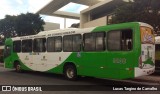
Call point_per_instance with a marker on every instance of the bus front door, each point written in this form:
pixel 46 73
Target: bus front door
pixel 7 57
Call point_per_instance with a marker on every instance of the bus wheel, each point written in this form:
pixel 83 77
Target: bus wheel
pixel 18 67
pixel 70 72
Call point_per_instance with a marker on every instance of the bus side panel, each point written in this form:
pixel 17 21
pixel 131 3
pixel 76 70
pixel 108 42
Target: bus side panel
pixel 91 64
pixel 87 64
pixel 8 63
pixel 123 65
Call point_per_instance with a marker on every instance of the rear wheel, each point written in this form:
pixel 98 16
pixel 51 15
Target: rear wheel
pixel 70 72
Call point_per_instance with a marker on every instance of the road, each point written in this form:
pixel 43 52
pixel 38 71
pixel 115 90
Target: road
pixel 10 77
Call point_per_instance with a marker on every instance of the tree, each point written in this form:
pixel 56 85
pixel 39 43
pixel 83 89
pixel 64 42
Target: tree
pixel 7 26
pixel 29 24
pixel 75 25
pixel 21 25
pixel 147 11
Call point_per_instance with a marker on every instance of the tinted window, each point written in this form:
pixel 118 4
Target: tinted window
pixel 39 45
pixel 94 41
pixel 89 42
pixel 50 44
pixel 27 45
pixel 77 43
pixel 17 46
pixel 114 40
pixel 54 44
pixel 120 40
pixel 58 44
pixel 72 43
pixel 67 43
pixel 100 44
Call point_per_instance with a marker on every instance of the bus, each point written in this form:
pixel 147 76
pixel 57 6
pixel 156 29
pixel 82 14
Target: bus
pixel 157 52
pixel 118 51
pixel 1 53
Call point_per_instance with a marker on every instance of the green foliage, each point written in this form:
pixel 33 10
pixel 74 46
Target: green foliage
pixel 147 11
pixel 21 25
pixel 75 25
pixel 7 26
pixel 29 24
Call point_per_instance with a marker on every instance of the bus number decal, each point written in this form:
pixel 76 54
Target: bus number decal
pixel 119 60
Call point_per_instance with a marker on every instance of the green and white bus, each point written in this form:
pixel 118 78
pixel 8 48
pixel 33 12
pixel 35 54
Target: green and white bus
pixel 118 51
pixel 157 52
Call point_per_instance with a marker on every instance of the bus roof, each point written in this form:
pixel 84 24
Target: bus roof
pixel 75 30
pixel 57 30
pixel 145 24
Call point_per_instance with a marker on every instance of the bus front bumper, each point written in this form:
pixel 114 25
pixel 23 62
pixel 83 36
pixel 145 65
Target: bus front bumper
pixel 141 72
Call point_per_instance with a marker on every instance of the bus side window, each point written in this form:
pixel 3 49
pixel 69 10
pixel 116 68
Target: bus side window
pixel 120 40
pixel 67 43
pixel 100 41
pixel 129 45
pixel 94 41
pixel 44 45
pixel 113 41
pixel 58 44
pixel 54 44
pixel 39 45
pixel 27 45
pixel 89 41
pixel 77 43
pixel 50 44
pixel 17 46
pixel 127 37
pixel 72 43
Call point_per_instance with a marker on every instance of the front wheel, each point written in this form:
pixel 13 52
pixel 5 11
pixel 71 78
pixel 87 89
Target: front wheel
pixel 70 72
pixel 18 67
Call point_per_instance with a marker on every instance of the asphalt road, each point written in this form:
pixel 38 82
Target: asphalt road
pixel 10 77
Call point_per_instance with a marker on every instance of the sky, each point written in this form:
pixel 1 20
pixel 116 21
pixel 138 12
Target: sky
pixel 16 7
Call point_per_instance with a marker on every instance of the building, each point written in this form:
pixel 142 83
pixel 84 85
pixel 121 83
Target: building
pixel 99 13
pixel 53 7
pixel 51 26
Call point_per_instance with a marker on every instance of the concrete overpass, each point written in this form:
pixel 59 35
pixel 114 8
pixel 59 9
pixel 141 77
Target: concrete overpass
pixel 54 5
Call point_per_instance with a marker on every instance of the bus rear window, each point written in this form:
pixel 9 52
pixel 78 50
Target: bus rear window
pixel 147 35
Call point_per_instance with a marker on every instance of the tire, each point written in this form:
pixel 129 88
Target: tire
pixel 18 67
pixel 70 72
